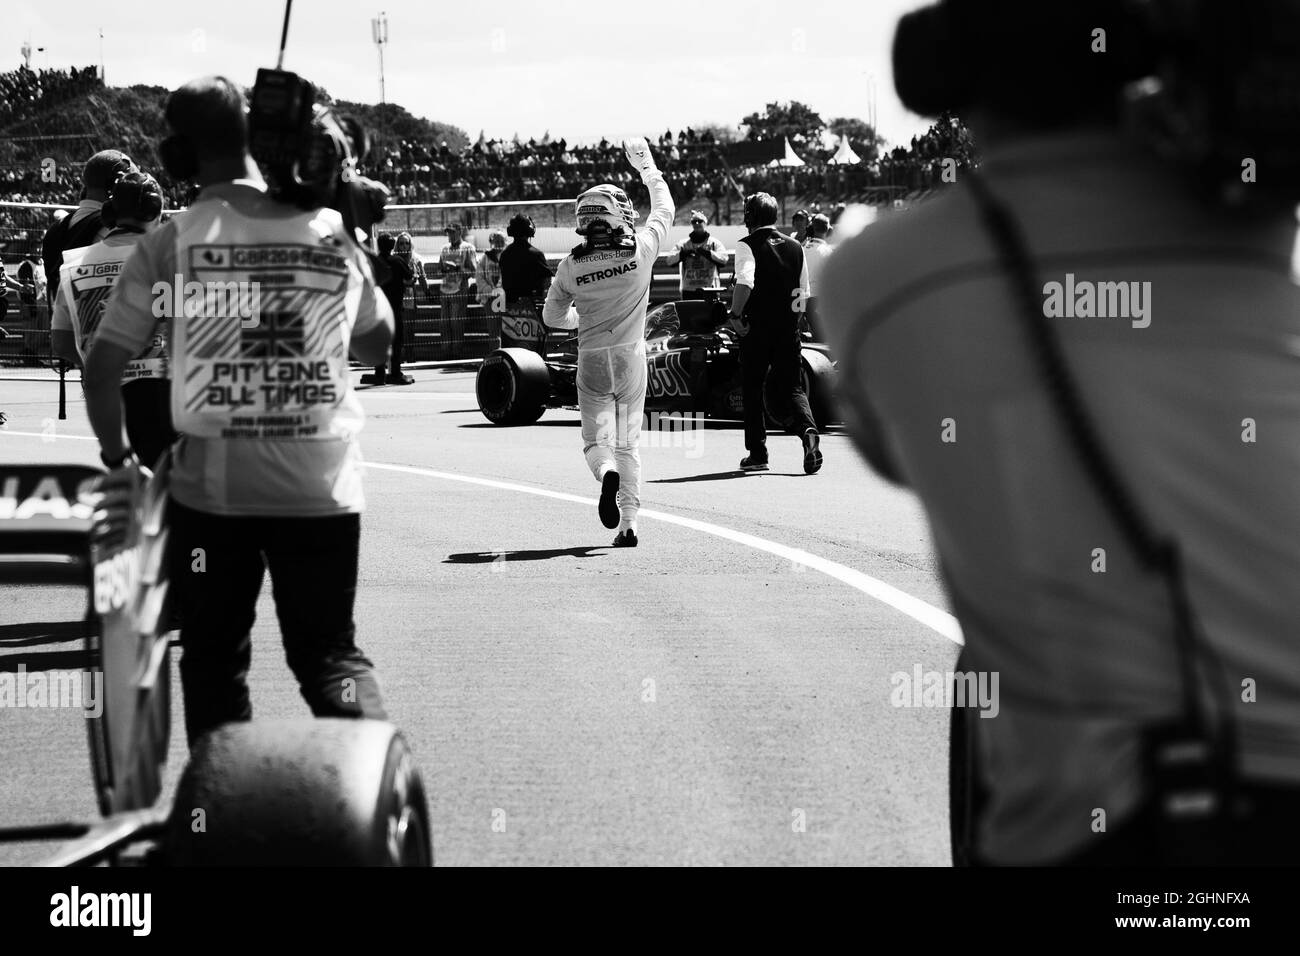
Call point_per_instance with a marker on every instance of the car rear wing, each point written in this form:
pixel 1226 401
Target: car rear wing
pixel 73 525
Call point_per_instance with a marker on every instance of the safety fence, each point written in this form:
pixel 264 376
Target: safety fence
pixel 437 326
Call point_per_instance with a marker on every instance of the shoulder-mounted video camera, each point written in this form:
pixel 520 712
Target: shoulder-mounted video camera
pixel 309 154
pixel 1212 85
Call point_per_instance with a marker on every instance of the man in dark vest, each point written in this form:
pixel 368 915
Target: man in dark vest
pixel 85 226
pixel 769 298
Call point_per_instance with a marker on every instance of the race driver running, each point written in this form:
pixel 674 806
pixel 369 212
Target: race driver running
pixel 602 288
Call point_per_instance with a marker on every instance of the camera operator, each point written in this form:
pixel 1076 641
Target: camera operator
pixel 267 472
pixel 699 255
pixel 1052 446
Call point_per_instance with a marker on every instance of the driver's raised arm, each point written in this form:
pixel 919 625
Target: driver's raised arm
pixel 662 209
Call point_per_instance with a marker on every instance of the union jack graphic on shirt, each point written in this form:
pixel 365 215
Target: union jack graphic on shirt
pixel 277 335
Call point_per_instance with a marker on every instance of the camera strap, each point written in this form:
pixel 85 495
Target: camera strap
pixel 1190 762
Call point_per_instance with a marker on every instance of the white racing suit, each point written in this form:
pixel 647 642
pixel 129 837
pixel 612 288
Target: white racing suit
pixel 610 289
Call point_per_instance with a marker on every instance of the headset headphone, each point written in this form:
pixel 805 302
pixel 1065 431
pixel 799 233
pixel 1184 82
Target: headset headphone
pixel 521 227
pixel 134 196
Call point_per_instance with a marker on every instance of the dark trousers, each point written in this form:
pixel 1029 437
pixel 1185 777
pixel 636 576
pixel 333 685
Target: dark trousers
pixel 399 334
pixel 313 564
pixel 778 355
pixel 146 405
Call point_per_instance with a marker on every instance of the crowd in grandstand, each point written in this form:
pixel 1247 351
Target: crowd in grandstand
pixel 25 92
pixel 694 166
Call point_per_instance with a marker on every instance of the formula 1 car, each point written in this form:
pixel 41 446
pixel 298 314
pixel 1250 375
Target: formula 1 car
pixel 693 367
pixel 295 792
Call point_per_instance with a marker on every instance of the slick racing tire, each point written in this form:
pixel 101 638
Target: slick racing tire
pixel 310 792
pixel 512 386
pixel 819 384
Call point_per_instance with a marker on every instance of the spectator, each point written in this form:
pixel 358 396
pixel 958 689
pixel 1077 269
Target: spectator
pixel 401 272
pixel 800 223
pixel 487 278
pixel 816 250
pixel 458 261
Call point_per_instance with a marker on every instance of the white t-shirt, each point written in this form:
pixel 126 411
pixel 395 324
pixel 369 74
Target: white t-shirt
pixel 86 279
pixel 815 254
pixel 283 377
pixel 922 320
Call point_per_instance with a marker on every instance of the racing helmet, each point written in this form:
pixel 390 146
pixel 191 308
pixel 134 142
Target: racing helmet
pixel 607 204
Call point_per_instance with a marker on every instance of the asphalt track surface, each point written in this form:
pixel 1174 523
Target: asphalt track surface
pixel 719 695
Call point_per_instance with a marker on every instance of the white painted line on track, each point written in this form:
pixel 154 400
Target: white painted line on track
pixel 57 436
pixel 937 620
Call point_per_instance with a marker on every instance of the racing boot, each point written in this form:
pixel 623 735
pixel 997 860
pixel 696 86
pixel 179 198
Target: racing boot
pixel 609 499
pixel 812 453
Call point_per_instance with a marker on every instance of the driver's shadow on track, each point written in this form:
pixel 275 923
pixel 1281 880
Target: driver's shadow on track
pixel 723 476
pixel 488 557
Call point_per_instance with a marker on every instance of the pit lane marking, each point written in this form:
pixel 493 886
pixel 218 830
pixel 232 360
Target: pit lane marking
pixel 937 620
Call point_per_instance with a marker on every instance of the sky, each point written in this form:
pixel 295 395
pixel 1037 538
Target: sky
pixel 574 68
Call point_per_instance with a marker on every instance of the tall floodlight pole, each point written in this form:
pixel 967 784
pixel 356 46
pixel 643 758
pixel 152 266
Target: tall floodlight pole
pixel 379 31
pixel 101 57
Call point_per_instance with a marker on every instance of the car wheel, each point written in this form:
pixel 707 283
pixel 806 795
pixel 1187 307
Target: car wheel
pixel 512 386
pixel 311 792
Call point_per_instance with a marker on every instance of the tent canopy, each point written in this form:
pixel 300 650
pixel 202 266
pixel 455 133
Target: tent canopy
pixel 789 159
pixel 844 156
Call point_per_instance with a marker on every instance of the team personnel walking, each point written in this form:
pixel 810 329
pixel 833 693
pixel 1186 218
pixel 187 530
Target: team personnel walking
pixel 608 278
pixel 766 307
pixel 699 254
pixel 267 472
pixel 86 279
